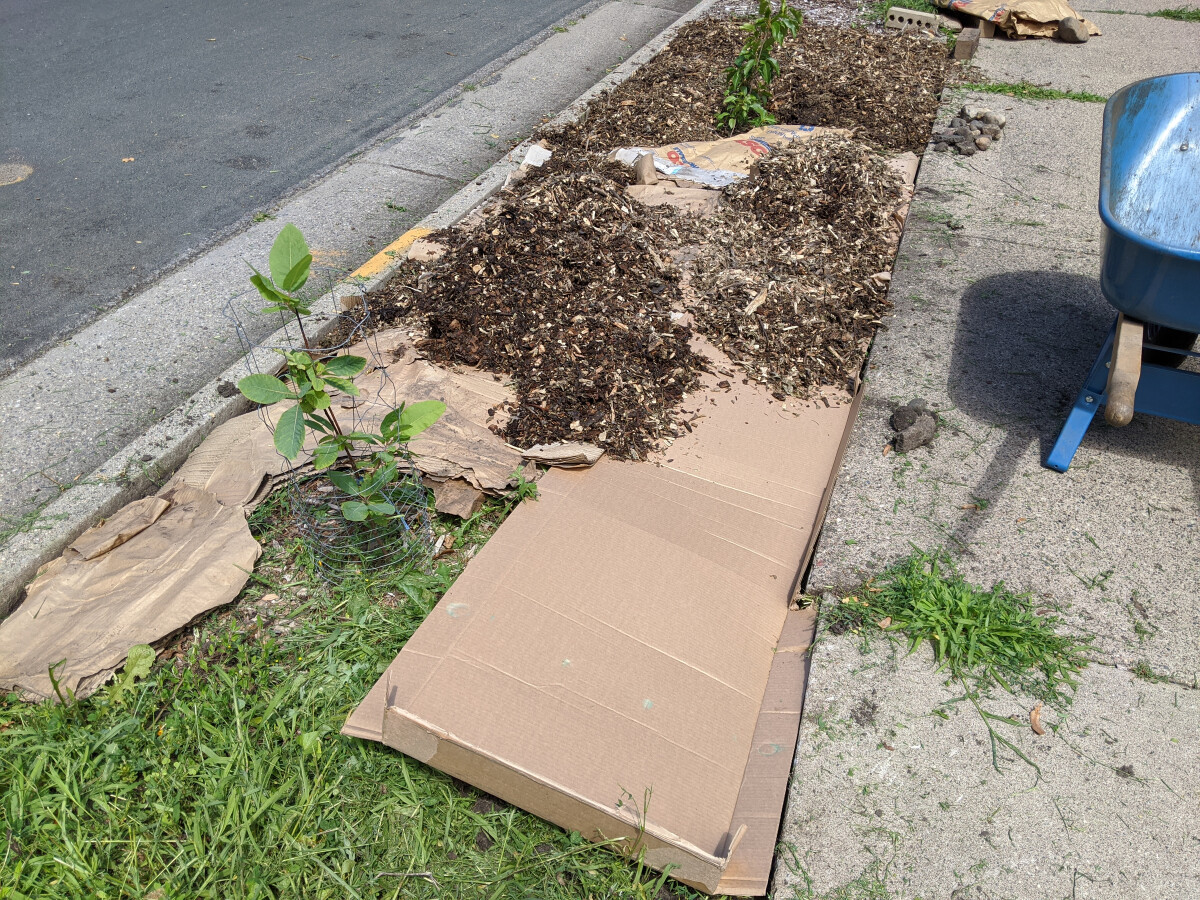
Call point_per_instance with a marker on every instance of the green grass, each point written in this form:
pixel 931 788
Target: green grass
pixel 1142 670
pixel 991 636
pixel 980 638
pixel 222 774
pixel 1023 90
pixel 1178 13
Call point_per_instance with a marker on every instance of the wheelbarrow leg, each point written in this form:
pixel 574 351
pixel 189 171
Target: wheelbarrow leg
pixel 1125 372
pixel 1090 399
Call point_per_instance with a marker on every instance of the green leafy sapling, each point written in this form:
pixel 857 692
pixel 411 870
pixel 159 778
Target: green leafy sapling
pixel 308 380
pixel 748 81
pixel 367 486
pixel 290 262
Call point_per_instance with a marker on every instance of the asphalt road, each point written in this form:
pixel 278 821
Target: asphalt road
pixel 154 127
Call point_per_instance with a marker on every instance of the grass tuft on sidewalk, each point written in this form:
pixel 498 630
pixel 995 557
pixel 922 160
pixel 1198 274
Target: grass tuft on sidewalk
pixel 1178 13
pixel 991 636
pixel 222 774
pixel 1023 90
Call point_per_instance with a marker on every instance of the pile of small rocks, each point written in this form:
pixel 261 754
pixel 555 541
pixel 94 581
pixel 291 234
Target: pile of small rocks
pixel 974 129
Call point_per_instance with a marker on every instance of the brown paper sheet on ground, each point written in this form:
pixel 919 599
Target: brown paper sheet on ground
pixel 1021 18
pixel 238 462
pixel 149 570
pixel 631 632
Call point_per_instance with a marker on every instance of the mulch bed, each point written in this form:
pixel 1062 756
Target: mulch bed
pixel 567 287
pixel 578 292
pixel 887 86
pixel 791 283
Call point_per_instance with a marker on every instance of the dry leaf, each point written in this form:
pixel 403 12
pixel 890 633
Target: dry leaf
pixel 885 622
pixel 1035 719
pixel 887 448
pixel 127 159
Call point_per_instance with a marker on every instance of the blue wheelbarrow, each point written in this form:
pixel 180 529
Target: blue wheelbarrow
pixel 1150 271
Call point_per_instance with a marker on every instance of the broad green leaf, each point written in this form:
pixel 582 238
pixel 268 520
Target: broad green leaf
pixel 319 423
pixel 289 432
pixel 345 366
pixel 139 660
pixel 324 456
pixel 345 385
pixel 382 508
pixel 288 250
pixel 354 511
pixel 344 482
pixel 383 477
pixel 268 291
pixel 298 275
pixel 137 665
pixel 265 389
pixel 416 417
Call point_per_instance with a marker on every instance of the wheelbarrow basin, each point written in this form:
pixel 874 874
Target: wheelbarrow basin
pixel 1150 200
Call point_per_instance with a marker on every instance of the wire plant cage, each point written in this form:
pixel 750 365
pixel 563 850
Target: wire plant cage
pixel 342 548
pixel 339 547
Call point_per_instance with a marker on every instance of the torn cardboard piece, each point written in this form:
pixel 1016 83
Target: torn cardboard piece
pixel 146 572
pixel 567 454
pixel 1021 18
pixel 697 201
pixel 716 164
pixel 455 497
pixel 237 463
pixel 628 637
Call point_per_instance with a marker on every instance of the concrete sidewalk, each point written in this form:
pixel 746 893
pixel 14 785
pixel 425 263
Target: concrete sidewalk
pixel 998 316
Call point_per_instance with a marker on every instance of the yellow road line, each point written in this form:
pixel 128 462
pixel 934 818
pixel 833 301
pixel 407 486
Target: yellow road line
pixel 390 253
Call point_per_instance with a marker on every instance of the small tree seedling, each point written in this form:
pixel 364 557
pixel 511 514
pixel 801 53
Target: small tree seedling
pixel 374 457
pixel 748 81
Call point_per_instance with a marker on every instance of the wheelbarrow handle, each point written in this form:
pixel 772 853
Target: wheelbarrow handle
pixel 1124 371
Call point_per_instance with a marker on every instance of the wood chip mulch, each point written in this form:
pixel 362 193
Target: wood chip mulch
pixel 792 279
pixel 885 85
pixel 567 287
pixel 578 292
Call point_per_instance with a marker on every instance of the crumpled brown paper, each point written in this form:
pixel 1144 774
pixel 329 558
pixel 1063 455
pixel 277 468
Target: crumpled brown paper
pixel 1021 18
pixel 147 571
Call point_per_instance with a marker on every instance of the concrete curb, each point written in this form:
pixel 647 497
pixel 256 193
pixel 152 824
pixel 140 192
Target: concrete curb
pixel 146 463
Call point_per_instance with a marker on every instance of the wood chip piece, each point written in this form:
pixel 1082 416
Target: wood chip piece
pixel 1035 719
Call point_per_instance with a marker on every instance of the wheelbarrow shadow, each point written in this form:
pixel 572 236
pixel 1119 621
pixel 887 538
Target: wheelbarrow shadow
pixel 1023 345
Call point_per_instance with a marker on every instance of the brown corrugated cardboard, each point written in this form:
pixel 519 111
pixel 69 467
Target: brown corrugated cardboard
pixel 621 659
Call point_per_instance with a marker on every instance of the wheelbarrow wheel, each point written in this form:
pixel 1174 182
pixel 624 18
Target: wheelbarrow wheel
pixel 1167 337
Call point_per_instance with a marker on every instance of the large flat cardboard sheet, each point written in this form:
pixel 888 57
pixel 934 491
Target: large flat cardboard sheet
pixel 621 658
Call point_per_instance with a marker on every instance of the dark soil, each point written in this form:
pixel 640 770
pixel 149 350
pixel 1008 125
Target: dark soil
pixel 566 287
pixel 886 86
